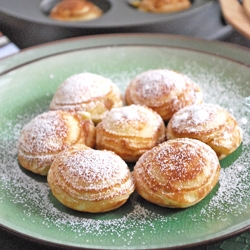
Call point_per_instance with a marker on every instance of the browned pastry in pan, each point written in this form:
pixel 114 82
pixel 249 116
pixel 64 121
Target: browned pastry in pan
pixel 50 133
pixel 75 10
pixel 161 6
pixel 164 91
pixel 129 131
pixel 90 180
pixel 88 93
pixel 209 123
pixel 177 173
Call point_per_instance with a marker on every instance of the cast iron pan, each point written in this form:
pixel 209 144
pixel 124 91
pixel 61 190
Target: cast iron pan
pixel 27 22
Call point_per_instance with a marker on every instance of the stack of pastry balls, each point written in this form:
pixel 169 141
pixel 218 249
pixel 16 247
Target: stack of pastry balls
pixel 84 142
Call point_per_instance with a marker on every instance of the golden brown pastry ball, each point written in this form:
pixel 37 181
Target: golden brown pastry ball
pixel 75 10
pixel 129 131
pixel 90 180
pixel 164 91
pixel 87 92
pixel 209 123
pixel 177 173
pixel 161 6
pixel 50 133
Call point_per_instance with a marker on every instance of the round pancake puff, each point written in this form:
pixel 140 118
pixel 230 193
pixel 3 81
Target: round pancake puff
pixel 89 93
pixel 75 10
pixel 209 123
pixel 161 6
pixel 130 131
pixel 90 180
pixel 48 134
pixel 165 91
pixel 177 173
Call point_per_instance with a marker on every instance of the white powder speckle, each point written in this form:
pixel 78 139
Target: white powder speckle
pixel 88 86
pixel 137 219
pixel 243 121
pixel 153 83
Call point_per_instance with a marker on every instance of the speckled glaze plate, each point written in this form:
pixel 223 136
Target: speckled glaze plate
pixel 27 83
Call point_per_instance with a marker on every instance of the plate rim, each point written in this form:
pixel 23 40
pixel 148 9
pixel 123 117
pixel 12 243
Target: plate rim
pixel 189 246
pixel 37 52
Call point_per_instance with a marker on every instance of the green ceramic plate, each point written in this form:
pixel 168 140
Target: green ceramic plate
pixel 27 83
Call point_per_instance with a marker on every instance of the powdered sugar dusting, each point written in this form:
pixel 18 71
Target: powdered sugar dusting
pixel 88 86
pixel 200 116
pixel 233 179
pixel 95 166
pixel 126 113
pixel 154 83
pixel 120 120
pixel 44 133
pixel 194 115
pixel 137 220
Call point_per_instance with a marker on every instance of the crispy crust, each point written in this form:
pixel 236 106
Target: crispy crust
pixel 75 10
pixel 164 91
pixel 50 133
pixel 178 173
pixel 130 131
pixel 163 6
pixel 87 92
pixel 90 180
pixel 209 123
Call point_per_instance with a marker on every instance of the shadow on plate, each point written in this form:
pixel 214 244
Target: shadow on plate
pixel 230 159
pixel 36 177
pixel 118 213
